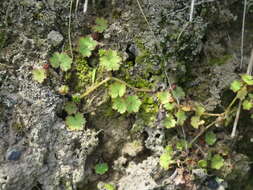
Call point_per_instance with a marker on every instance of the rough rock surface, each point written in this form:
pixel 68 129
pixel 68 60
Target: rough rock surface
pixel 37 150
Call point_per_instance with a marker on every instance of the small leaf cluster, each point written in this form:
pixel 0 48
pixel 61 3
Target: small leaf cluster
pixel 121 103
pixel 243 90
pixel 216 162
pixel 177 114
pixel 101 168
pixel 108 59
pixel 166 159
pixel 101 25
pixel 39 75
pixel 75 119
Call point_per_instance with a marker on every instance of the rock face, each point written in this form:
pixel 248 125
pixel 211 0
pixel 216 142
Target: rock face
pixel 37 150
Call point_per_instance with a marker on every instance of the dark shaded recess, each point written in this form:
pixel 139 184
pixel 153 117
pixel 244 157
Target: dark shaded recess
pixel 38 186
pixel 244 146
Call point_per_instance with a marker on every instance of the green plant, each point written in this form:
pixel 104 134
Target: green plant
pixel 202 163
pixel 76 121
pixel 39 75
pixel 86 46
pixel 210 138
pixel 109 59
pixel 63 90
pixel 108 186
pixel 101 25
pixel 166 159
pixel 61 60
pixel 217 162
pixel 94 67
pixel 101 168
pixel 70 108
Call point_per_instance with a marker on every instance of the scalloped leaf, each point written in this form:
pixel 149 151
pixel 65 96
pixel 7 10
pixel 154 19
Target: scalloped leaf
pixel 217 162
pixel 117 90
pixel 236 85
pixel 196 122
pixel 133 103
pixel 70 108
pixel 101 168
pixel 247 105
pixel 76 122
pixel 119 104
pixel 109 59
pixel 39 75
pixel 86 46
pixel 101 25
pixel 165 97
pixel 210 138
pixel 169 121
pixel 248 79
pixel 61 60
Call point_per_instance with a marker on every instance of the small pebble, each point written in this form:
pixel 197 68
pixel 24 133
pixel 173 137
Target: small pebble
pixel 13 155
pixel 55 38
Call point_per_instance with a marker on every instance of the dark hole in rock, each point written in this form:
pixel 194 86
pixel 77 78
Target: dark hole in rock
pixel 62 114
pixel 145 135
pixel 132 52
pixel 38 186
pixel 157 136
pixel 212 183
pixel 76 144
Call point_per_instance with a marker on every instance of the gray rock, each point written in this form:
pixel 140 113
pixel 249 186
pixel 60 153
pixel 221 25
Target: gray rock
pixel 55 38
pixel 140 176
pixel 13 155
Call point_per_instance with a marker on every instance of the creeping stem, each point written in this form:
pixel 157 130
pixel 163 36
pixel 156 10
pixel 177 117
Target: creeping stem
pixel 94 87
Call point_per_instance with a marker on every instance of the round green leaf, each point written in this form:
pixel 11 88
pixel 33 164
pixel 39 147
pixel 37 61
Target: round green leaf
pixel 39 75
pixel 70 108
pixel 217 162
pixel 101 168
pixel 133 103
pixel 117 90
pixel 109 59
pixel 75 122
pixel 202 163
pixel 86 46
pixel 210 138
pixel 101 25
pixel 169 121
pixel 248 79
pixel 119 104
pixel 236 85
pixel 247 105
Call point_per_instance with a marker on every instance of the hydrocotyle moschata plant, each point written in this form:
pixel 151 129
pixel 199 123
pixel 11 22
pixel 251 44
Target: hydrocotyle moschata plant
pixel 179 112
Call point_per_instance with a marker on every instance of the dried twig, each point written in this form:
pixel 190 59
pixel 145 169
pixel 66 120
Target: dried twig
pixel 69 28
pixel 243 30
pixel 192 10
pixel 249 70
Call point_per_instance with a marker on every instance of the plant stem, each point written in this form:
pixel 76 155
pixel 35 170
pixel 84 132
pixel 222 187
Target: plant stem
pixel 213 114
pixel 231 104
pixel 94 87
pixel 202 132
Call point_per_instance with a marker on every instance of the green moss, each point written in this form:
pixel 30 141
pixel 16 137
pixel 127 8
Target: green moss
pixel 220 60
pixel 80 78
pixel 149 110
